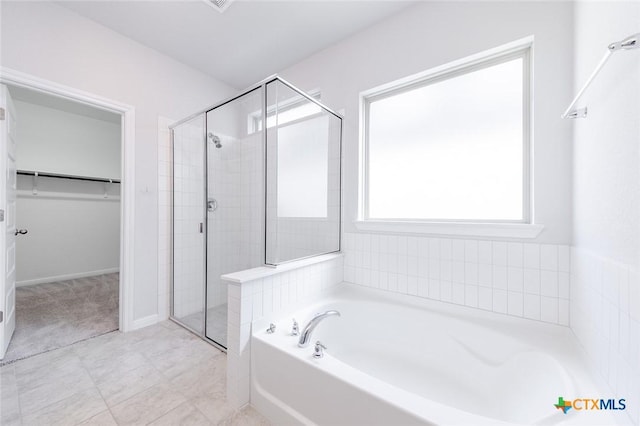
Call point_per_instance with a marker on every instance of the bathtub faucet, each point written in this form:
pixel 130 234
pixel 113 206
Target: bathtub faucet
pixel 305 336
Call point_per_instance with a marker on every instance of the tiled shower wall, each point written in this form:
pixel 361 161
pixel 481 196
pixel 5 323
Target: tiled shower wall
pixel 605 316
pixel 188 208
pixel 235 228
pixel 520 279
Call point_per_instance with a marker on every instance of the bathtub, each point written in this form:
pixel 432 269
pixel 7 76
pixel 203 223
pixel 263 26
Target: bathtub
pixel 394 359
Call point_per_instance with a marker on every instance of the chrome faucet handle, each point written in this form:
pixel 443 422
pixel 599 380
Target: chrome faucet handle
pixel 295 330
pixel 318 350
pixel 271 329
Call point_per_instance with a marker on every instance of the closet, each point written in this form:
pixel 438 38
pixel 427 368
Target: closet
pixel 68 222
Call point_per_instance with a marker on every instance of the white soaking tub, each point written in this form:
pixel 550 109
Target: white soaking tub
pixel 394 360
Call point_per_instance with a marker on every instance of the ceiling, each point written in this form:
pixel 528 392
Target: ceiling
pixel 251 40
pixel 61 104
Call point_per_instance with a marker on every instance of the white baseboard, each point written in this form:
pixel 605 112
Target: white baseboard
pixel 145 322
pixel 65 277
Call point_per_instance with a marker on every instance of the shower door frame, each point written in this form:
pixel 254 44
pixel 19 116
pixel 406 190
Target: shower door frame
pixel 263 86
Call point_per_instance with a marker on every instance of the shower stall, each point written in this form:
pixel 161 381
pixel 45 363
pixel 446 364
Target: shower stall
pixel 256 182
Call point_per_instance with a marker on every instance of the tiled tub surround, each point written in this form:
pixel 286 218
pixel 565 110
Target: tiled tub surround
pixel 605 315
pixel 520 279
pixel 265 293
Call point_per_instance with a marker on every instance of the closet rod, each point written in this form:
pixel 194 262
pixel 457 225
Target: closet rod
pixel 631 42
pixel 63 176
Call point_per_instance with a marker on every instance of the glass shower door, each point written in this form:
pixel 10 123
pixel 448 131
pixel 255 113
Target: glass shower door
pixel 188 287
pixel 235 212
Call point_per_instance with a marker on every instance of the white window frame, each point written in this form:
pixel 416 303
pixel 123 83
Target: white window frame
pixel 524 228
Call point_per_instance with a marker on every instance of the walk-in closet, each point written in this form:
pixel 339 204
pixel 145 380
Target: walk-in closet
pixel 67 216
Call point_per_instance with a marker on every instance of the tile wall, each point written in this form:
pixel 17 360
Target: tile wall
pixel 605 316
pixel 520 279
pixel 189 205
pixel 269 297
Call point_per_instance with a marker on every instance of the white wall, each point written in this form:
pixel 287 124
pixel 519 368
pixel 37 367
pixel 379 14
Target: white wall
pixel 69 236
pixel 435 33
pixel 56 141
pixel 50 42
pixel 605 285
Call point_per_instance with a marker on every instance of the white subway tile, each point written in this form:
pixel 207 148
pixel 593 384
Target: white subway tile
pixel 434 248
pixel 458 271
pixel 485 254
pixel 563 312
pixel 471 273
pixel 531 256
pixel 402 246
pixel 549 309
pixel 515 279
pixel 514 254
pixel 423 287
pixel 564 259
pixel 515 303
pixel 446 270
pixel 485 298
pixel 393 282
pixel 563 285
pixel 434 289
pixel 412 285
pixel 485 275
pixel 500 278
pixel 532 306
pixel 500 301
pixel 412 246
pixel 499 253
pixel 403 283
pixel 532 281
pixel 434 269
pixel 471 251
pixel 458 294
pixel 549 283
pixel 446 291
pixel 457 247
pixel 446 249
pixel 549 257
pixel 471 295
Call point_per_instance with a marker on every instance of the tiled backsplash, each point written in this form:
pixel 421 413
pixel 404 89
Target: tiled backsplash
pixel 521 279
pixel 605 316
pixel 268 297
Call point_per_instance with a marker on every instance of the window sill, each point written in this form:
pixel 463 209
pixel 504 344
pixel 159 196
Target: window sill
pixel 500 230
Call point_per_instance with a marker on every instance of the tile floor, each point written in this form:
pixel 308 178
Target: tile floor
pixel 216 323
pixel 159 375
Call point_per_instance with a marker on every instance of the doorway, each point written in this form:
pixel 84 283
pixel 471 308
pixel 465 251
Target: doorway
pixel 67 219
pixel 119 277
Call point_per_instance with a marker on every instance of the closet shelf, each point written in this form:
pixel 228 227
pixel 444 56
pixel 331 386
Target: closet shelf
pixel 63 176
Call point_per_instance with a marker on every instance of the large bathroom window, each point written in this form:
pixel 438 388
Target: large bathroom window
pixel 451 146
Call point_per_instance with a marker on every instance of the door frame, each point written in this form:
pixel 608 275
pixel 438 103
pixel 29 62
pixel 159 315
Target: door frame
pixel 127 161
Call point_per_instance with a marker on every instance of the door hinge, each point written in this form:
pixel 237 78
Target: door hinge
pixel 1 215
pixel 2 114
pixel 1 316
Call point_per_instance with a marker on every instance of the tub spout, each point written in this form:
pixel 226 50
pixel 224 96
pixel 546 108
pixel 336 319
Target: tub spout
pixel 305 336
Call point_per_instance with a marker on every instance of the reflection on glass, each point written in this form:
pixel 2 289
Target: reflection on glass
pixel 303 176
pixel 235 218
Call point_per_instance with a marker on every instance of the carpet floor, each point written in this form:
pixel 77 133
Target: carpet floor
pixel 53 315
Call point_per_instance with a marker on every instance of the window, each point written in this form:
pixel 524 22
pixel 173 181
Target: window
pixel 451 146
